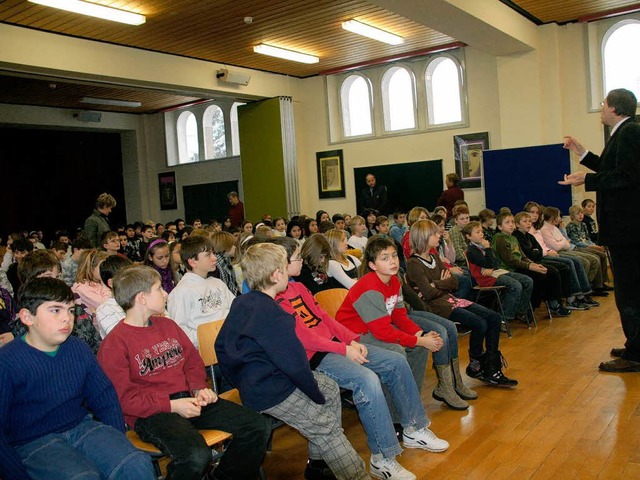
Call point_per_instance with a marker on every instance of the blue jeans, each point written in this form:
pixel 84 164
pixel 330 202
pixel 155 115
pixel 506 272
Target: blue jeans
pixel 517 295
pixel 428 322
pixel 90 450
pixel 579 280
pixel 394 372
pixel 484 324
pixel 465 285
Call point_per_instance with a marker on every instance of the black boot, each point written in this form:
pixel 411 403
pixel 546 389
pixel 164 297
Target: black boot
pixel 492 374
pixel 318 470
pixel 475 368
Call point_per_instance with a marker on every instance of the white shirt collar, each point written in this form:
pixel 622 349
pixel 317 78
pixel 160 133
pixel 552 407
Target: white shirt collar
pixel 615 127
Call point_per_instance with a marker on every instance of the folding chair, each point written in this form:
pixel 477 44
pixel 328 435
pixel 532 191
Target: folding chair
pixel 331 300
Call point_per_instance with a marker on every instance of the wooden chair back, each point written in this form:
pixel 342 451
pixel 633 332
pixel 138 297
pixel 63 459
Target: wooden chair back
pixel 331 300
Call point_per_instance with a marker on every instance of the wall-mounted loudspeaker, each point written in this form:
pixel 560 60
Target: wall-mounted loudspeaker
pixel 236 78
pixel 87 116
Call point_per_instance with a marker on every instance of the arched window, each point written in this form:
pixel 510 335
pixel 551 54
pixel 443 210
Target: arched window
pixel 235 132
pixel 443 91
pixel 355 95
pixel 398 99
pixel 215 142
pixel 187 128
pixel 621 64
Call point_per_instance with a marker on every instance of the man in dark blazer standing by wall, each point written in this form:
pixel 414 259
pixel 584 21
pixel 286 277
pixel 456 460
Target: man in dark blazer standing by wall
pixel 374 196
pixel 617 183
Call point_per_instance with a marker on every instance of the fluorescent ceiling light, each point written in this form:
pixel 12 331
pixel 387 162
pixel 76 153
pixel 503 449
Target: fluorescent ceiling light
pixel 94 10
pixel 111 102
pixel 284 53
pixel 372 32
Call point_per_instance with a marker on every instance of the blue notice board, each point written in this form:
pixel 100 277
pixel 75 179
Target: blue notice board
pixel 514 176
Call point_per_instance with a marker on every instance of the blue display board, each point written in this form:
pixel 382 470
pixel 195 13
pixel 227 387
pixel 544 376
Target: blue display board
pixel 514 176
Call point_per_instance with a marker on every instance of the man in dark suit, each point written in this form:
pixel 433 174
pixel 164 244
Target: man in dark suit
pixel 374 196
pixel 617 183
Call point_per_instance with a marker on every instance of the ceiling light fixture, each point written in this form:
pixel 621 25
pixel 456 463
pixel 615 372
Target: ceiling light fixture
pixel 372 32
pixel 284 53
pixel 110 102
pixel 94 10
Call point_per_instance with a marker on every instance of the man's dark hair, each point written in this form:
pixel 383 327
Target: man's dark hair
pixel 22 245
pixel 112 265
pixel 623 101
pixel 37 291
pixel 81 244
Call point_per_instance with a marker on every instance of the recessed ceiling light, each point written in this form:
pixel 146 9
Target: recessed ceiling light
pixel 94 10
pixel 111 102
pixel 372 32
pixel 284 53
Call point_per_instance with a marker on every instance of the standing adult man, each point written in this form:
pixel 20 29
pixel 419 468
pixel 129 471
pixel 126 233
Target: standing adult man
pixel 98 222
pixel 374 196
pixel 616 181
pixel 236 210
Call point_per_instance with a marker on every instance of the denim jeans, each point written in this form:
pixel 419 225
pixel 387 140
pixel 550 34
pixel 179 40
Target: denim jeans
pixel 517 295
pixel 428 322
pixel 484 324
pixel 465 285
pixel 178 438
pixel 90 450
pixel 391 369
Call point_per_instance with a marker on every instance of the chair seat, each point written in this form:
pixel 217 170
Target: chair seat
pixel 232 395
pixel 212 437
pixel 486 289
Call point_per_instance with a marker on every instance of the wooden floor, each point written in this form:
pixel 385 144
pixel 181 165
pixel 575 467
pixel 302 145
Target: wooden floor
pixel 565 419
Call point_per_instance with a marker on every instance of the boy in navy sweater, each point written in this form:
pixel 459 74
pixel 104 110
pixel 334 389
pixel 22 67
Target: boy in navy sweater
pixel 51 384
pixel 259 353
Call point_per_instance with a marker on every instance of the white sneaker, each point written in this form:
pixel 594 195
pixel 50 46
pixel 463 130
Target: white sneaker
pixel 390 469
pixel 424 439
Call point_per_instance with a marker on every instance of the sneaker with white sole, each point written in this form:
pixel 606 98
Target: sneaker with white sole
pixel 389 469
pixel 424 439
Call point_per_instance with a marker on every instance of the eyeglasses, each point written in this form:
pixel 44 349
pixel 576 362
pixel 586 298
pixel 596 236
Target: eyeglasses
pixel 295 260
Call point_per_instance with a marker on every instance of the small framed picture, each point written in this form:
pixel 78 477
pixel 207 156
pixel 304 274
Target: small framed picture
pixel 467 154
pixel 330 174
pixel 167 186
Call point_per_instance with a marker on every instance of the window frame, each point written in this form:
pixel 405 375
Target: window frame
pixel 384 90
pixel 207 132
pixel 605 38
pixel 369 86
pixel 429 93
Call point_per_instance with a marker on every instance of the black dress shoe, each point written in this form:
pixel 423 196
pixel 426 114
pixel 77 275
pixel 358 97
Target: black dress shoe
pixel 598 292
pixel 607 288
pixel 617 352
pixel 620 365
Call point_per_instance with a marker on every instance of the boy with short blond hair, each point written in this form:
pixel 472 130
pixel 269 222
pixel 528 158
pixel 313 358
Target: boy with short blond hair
pixel 260 353
pixel 197 298
pixel 162 386
pixel 51 384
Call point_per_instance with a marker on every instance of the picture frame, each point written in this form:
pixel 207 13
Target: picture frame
pixel 167 189
pixel 467 154
pixel 330 167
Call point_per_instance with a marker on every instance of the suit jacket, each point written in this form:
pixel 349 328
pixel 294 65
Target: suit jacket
pixel 377 201
pixel 617 183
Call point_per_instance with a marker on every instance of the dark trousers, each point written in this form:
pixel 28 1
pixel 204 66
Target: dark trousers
pixel 545 286
pixel 484 324
pixel 626 274
pixel 178 438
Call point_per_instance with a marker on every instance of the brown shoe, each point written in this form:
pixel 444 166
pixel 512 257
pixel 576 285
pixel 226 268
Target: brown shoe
pixel 617 352
pixel 620 365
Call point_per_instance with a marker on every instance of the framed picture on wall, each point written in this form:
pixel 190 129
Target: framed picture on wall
pixel 167 186
pixel 330 174
pixel 467 155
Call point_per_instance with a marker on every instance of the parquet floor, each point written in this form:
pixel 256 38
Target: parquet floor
pixel 565 420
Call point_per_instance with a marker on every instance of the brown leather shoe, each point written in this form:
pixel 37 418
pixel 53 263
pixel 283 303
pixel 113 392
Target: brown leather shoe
pixel 620 365
pixel 617 352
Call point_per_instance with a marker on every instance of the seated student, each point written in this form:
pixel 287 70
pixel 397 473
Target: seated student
pixel 579 235
pixel 589 208
pixel 132 250
pixel 70 264
pixel 109 313
pixel 546 280
pixel 578 265
pixel 334 351
pixel 576 299
pixel 487 218
pixel 484 266
pixel 59 249
pixel 399 226
pixel 294 230
pixel 427 275
pixel 342 267
pixel 370 215
pixel 88 287
pixel 340 224
pixel 110 243
pixel 374 309
pixel 198 298
pixel 51 386
pixel 315 265
pixel 260 354
pixel 415 214
pixel 460 219
pixel 162 386
pixel 279 227
pixel 554 239
pixel 447 254
pixel 158 257
pixel 358 238
pixel 20 248
pixel 224 247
